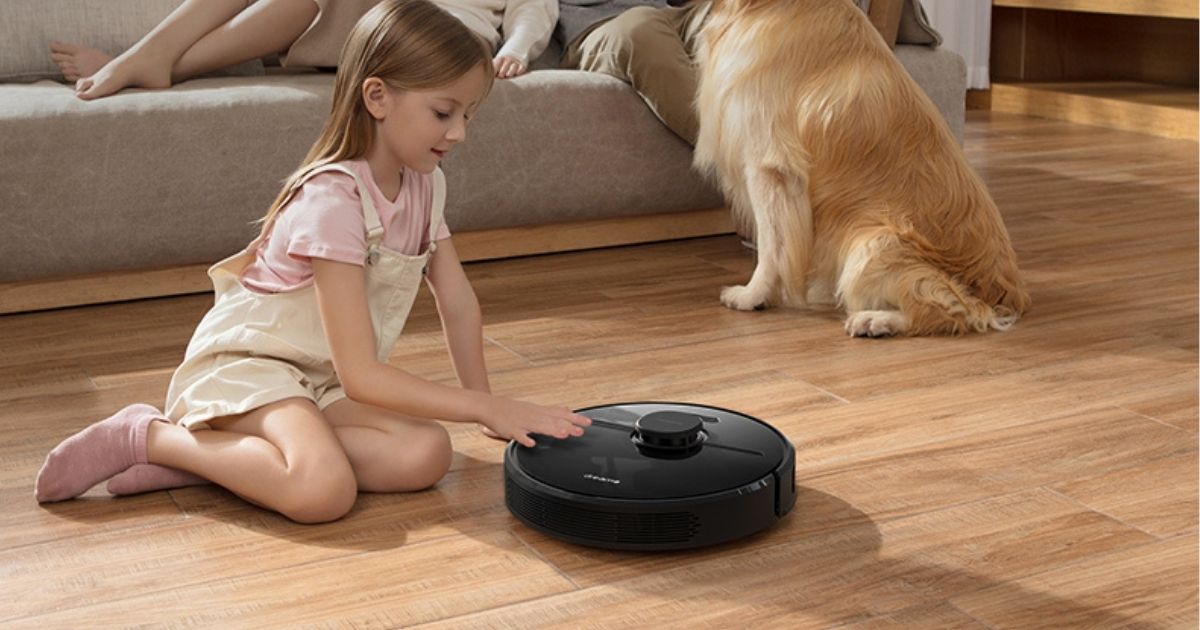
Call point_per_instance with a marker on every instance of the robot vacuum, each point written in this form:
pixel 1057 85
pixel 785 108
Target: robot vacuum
pixel 654 476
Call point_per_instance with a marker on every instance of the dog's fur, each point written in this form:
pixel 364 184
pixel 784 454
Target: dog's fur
pixel 857 190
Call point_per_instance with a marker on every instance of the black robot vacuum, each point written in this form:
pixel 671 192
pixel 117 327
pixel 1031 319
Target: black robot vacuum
pixel 654 476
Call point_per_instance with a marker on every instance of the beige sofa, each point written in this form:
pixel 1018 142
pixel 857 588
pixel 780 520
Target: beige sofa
pixel 133 195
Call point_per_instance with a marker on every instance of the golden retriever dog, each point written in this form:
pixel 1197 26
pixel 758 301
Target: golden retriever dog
pixel 857 191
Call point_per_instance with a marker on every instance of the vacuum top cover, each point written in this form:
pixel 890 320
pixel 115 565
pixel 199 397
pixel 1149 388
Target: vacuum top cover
pixel 656 451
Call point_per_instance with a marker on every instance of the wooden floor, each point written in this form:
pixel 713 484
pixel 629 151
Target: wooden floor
pixel 1044 477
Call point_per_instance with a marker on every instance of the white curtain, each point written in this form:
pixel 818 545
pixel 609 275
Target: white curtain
pixel 966 27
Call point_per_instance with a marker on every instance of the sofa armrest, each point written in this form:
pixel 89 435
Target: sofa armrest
pixel 885 15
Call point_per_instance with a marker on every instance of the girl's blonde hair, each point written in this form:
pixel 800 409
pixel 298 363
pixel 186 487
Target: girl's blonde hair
pixel 410 45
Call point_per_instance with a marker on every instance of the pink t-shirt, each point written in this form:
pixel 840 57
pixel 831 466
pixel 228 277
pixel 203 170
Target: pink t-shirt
pixel 324 220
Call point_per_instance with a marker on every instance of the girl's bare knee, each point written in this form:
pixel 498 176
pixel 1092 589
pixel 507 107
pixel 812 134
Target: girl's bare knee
pixel 434 459
pixel 321 498
pixel 426 461
pixel 320 507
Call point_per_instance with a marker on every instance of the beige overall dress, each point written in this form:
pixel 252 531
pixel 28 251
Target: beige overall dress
pixel 252 349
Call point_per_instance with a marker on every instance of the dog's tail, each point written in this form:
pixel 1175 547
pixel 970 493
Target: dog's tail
pixel 936 304
pixel 885 270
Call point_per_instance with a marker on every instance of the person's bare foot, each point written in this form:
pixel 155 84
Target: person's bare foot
pixel 77 62
pixel 133 68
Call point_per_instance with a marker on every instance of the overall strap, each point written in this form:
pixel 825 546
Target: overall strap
pixel 437 212
pixel 370 214
pixel 374 230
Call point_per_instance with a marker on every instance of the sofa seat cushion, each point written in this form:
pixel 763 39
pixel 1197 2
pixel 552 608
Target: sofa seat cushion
pixel 565 145
pixel 159 178
pixel 155 178
pixel 146 178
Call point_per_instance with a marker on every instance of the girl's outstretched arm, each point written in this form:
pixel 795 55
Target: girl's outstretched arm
pixel 462 320
pixel 342 299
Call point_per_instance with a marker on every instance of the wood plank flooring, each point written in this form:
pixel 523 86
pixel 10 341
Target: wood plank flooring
pixel 1044 477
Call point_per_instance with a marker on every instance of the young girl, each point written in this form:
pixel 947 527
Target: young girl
pixel 203 36
pixel 288 371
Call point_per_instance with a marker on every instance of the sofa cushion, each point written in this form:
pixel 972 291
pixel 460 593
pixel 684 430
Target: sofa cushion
pixel 566 145
pixel 146 178
pixel 915 27
pixel 108 25
pixel 160 178
pixel 156 178
pixel 906 19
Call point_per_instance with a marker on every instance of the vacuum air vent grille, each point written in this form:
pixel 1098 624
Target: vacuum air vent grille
pixel 568 520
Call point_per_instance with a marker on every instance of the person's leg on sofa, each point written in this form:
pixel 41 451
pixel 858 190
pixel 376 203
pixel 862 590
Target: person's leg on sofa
pixel 646 48
pixel 76 62
pixel 264 28
pixel 199 36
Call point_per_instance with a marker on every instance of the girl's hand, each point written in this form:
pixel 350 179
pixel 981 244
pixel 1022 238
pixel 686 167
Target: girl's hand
pixel 507 67
pixel 515 420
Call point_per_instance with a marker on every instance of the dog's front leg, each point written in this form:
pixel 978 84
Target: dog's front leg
pixel 783 236
pixel 755 295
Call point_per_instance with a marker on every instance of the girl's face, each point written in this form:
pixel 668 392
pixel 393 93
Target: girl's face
pixel 419 127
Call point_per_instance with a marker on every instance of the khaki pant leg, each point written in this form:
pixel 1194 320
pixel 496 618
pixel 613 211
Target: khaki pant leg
pixel 646 48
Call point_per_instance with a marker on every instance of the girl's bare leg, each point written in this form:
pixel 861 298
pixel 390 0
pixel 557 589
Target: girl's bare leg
pixel 200 36
pixel 390 452
pixel 284 456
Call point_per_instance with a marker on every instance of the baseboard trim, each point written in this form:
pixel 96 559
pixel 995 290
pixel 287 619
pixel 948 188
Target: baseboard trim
pixel 120 286
pixel 979 100
pixel 577 235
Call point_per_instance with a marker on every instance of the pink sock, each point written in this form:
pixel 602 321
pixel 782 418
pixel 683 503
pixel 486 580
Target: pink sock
pixel 141 478
pixel 95 454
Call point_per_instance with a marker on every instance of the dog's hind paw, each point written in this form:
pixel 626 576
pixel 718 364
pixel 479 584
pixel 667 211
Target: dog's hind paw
pixel 742 298
pixel 876 323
